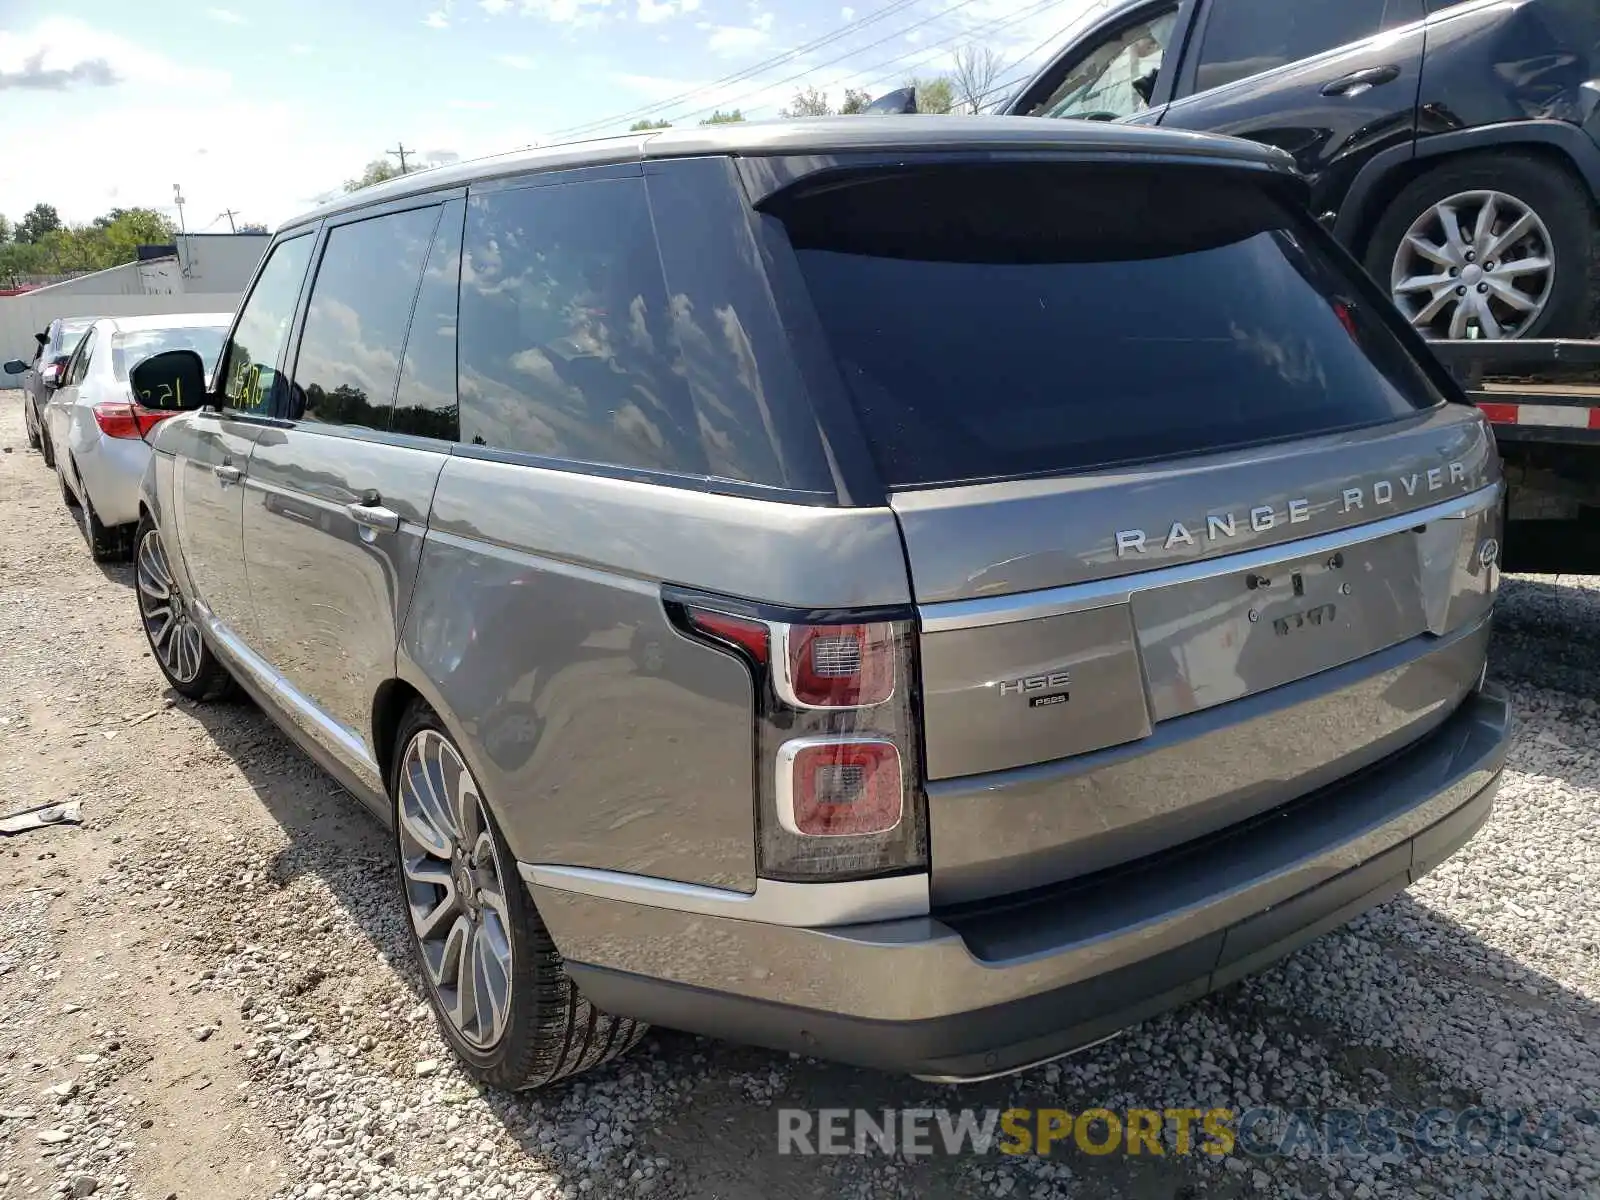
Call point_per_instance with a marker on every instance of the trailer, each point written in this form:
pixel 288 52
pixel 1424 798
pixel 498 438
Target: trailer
pixel 1543 399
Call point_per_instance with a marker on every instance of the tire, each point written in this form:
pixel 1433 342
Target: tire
pixel 28 420
pixel 543 1029
pixel 45 447
pixel 176 644
pixel 105 545
pixel 1559 203
pixel 68 497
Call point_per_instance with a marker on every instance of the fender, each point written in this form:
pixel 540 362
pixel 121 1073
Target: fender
pixel 1572 140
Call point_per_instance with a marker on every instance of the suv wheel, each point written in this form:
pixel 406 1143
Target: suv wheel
pixel 179 648
pixel 1489 246
pixel 495 979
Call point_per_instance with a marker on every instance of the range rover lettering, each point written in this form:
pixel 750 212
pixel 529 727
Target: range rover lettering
pixel 923 593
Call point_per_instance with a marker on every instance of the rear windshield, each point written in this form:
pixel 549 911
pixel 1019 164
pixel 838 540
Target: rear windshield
pixel 995 322
pixel 129 349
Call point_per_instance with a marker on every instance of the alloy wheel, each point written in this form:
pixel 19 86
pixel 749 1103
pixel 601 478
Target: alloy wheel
pixel 173 633
pixel 454 891
pixel 1477 264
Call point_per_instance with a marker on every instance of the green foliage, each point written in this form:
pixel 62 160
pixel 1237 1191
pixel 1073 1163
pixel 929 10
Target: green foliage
pixel 809 103
pixel 646 126
pixel 378 170
pixel 934 95
pixel 44 245
pixel 732 117
pixel 854 102
pixel 41 219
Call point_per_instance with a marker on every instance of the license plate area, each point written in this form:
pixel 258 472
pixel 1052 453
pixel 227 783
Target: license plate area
pixel 1207 641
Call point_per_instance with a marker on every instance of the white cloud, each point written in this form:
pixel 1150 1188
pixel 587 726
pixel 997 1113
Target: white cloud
pixel 517 62
pixel 847 13
pixel 650 12
pixel 471 105
pixel 735 39
pixel 494 7
pixel 567 12
pixel 438 19
pixel 301 48
pixel 226 15
pixel 689 6
pixel 64 51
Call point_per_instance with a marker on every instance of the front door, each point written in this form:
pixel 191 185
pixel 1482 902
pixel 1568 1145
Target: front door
pixel 1333 83
pixel 340 492
pixel 213 452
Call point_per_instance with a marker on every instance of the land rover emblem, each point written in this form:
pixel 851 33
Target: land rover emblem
pixel 1488 551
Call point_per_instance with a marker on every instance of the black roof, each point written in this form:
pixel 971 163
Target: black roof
pixel 821 135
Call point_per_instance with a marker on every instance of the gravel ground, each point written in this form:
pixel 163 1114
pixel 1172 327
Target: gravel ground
pixel 204 990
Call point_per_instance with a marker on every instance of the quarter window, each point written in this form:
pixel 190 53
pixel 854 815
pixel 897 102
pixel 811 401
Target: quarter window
pixel 1117 77
pixel 566 344
pixel 251 382
pixel 1245 37
pixel 356 319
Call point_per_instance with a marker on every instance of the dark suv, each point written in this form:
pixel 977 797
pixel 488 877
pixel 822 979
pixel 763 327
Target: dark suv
pixel 1451 144
pixel 928 592
pixel 55 345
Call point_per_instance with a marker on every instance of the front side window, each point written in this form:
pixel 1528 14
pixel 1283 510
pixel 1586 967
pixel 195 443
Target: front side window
pixel 565 339
pixel 356 319
pixel 1245 37
pixel 250 380
pixel 1117 77
pixel 68 335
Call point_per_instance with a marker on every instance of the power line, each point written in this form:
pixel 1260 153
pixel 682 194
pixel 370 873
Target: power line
pixel 735 101
pixel 401 153
pixel 739 76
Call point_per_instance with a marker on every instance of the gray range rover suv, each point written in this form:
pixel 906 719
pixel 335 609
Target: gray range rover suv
pixel 928 593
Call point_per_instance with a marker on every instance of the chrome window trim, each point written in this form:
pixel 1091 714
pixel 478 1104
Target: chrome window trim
pixel 1106 593
pixel 774 902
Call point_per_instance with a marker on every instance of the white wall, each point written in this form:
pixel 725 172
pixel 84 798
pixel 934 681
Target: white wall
pixel 23 316
pixel 220 262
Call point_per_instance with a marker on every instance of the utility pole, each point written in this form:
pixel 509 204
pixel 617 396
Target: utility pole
pixel 177 198
pixel 230 214
pixel 401 154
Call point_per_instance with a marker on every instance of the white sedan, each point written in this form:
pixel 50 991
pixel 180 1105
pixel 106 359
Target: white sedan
pixel 97 429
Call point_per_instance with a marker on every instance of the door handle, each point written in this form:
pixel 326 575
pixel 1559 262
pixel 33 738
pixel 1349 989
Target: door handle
pixel 227 474
pixel 1357 82
pixel 374 516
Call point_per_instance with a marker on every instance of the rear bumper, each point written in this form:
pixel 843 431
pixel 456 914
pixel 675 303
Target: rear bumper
pixel 111 469
pixel 990 988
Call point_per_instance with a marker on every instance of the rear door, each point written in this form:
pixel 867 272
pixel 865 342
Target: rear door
pixel 1333 82
pixel 212 447
pixel 1155 448
pixel 341 487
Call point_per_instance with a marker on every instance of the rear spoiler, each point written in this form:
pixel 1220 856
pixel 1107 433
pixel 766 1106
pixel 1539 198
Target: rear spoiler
pixel 1536 390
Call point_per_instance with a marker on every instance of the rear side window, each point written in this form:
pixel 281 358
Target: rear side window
pixel 356 319
pixel 565 343
pixel 994 322
pixel 1246 37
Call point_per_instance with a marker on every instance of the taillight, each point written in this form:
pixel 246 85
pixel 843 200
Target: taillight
pixel 127 420
pixel 838 770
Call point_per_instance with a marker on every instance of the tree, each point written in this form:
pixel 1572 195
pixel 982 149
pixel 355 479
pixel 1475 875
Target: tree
pixel 854 102
pixel 253 227
pixel 972 78
pixel 809 103
pixel 377 171
pixel 933 95
pixel 732 117
pixel 645 126
pixel 41 219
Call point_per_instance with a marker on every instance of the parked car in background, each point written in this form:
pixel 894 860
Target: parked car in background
pixel 96 427
pixel 1452 145
pixel 55 344
pixel 777 585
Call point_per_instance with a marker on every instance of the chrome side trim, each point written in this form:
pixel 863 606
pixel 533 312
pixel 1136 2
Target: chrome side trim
pixel 1105 593
pixel 339 739
pixel 774 902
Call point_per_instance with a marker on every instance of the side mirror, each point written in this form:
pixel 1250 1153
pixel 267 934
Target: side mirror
pixel 16 366
pixel 55 371
pixel 173 381
pixel 896 103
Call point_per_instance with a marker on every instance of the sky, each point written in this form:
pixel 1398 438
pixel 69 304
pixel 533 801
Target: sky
pixel 263 107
